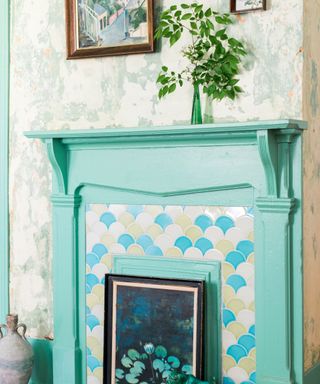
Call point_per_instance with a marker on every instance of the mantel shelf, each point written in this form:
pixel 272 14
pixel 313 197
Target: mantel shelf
pixel 264 136
pixel 176 131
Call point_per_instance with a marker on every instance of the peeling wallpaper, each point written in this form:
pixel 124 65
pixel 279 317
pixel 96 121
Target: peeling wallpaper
pixel 48 92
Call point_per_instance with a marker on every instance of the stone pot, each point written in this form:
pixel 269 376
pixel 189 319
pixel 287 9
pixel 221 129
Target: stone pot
pixel 16 355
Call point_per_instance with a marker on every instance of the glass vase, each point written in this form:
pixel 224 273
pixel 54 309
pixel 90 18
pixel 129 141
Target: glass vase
pixel 196 117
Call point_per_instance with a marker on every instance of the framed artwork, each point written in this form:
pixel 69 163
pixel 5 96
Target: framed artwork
pixel 183 268
pixel 108 27
pixel 243 6
pixel 152 327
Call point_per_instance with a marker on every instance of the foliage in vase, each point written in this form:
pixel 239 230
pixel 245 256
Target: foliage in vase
pixel 153 365
pixel 214 56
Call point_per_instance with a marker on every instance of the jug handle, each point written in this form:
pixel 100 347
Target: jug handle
pixel 4 327
pixel 24 330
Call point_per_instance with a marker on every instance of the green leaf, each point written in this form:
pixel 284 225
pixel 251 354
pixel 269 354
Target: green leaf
pixel 220 20
pixel 193 25
pixel 158 365
pixel 208 12
pixel 221 32
pixel 164 80
pixel 161 351
pixel 173 39
pixel 174 361
pixel 209 24
pixel 166 17
pixel 166 374
pixel 172 88
pixel 164 68
pixel 166 33
pixel 126 361
pixel 131 379
pixel 185 6
pixel 165 90
pixel 186 16
pixel 133 354
pixel 163 23
pixel 119 373
pixel 234 81
pixel 138 368
pixel 187 369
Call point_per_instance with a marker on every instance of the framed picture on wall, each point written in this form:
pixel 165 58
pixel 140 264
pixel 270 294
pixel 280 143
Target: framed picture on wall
pixel 243 6
pixel 152 327
pixel 108 27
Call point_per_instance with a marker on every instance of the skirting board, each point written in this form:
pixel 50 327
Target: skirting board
pixel 313 375
pixel 42 371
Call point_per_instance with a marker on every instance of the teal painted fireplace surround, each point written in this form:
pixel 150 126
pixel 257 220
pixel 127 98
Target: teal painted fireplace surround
pixel 240 164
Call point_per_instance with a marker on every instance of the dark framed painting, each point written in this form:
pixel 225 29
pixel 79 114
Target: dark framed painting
pixel 152 327
pixel 243 6
pixel 98 28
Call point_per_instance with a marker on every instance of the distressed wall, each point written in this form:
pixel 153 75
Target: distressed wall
pixel 48 92
pixel 311 112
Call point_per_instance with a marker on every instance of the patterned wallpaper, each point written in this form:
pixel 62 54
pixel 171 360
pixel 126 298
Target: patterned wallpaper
pixel 207 233
pixel 49 92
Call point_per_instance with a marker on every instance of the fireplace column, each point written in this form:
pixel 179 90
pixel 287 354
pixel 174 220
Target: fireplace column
pixel 273 297
pixel 66 351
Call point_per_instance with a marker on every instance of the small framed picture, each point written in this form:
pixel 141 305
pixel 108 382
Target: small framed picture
pixel 243 6
pixel 108 27
pixel 153 326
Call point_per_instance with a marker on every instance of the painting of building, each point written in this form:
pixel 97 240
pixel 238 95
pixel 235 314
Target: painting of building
pixel 103 23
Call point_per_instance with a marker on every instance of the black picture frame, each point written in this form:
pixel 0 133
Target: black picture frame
pixel 234 7
pixel 125 297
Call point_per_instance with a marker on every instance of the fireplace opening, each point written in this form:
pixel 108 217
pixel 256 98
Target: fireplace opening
pixel 185 242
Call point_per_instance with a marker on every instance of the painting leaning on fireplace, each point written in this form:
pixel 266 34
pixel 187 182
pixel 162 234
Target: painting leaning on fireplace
pixel 152 327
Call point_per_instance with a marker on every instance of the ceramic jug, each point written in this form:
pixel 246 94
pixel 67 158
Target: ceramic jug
pixel 16 355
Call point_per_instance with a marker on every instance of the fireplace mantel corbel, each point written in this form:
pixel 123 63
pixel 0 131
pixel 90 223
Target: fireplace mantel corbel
pixel 255 164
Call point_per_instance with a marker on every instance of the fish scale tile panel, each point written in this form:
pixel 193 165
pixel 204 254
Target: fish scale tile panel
pixel 212 233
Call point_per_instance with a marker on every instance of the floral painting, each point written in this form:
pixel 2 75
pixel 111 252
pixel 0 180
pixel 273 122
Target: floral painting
pixel 247 5
pixel 109 27
pixel 154 326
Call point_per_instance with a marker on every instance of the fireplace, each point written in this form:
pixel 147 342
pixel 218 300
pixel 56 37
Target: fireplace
pixel 216 186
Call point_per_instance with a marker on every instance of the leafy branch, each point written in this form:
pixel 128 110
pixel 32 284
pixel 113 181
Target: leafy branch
pixel 214 57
